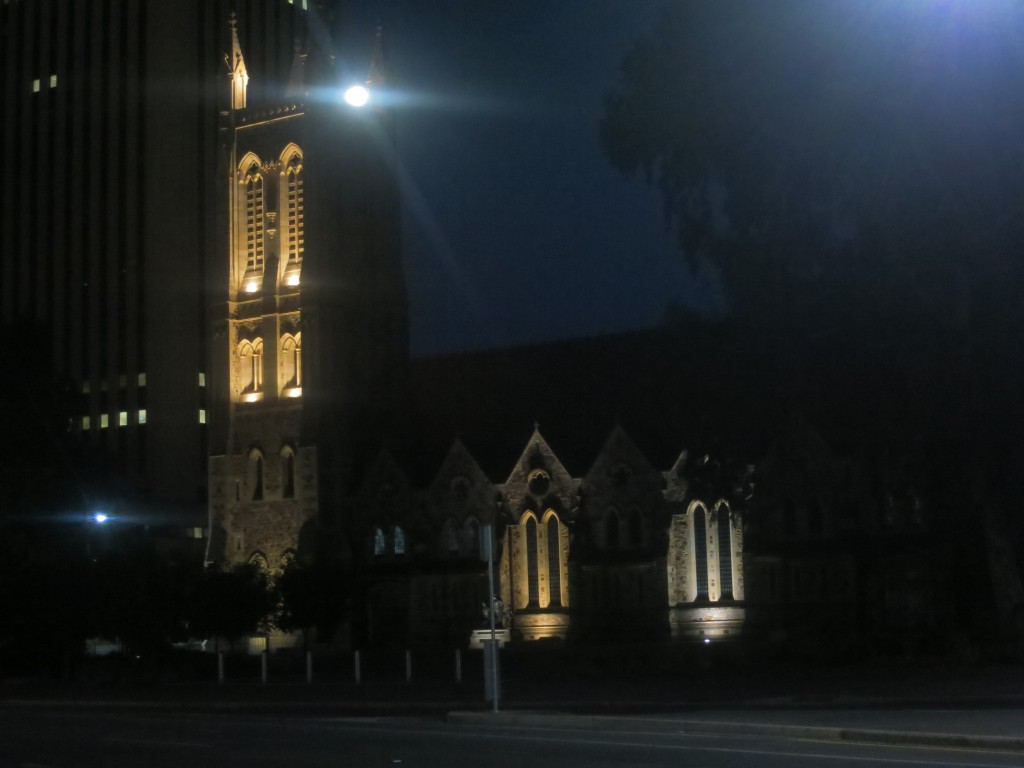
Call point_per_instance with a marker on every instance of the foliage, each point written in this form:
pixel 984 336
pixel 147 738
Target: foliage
pixel 230 603
pixel 313 593
pixel 854 174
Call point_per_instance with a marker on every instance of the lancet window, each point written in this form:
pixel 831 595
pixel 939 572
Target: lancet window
pixel 254 210
pixel 294 214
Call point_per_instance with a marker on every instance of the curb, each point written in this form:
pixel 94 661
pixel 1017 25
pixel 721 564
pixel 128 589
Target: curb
pixel 709 727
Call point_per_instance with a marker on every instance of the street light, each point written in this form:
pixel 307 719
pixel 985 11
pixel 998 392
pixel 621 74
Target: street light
pixel 100 518
pixel 357 96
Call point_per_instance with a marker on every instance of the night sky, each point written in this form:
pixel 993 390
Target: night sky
pixel 517 229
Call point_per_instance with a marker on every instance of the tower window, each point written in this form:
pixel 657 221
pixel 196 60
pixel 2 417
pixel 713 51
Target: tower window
pixel 104 421
pixel 253 225
pixel 53 81
pixel 250 366
pixel 256 474
pixel 36 85
pixel 294 218
pixel 122 419
pixel 288 472
pixel 291 361
pixel 142 416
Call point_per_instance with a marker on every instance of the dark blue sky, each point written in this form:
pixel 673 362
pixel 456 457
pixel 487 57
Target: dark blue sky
pixel 516 227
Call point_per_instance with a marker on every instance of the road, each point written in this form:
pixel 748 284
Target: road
pixel 60 738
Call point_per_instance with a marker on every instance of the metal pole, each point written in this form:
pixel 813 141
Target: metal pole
pixel 408 665
pixel 309 666
pixel 356 671
pixel 458 665
pixel 494 642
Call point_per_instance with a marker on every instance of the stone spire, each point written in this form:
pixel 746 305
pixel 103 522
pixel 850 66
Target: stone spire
pixel 236 67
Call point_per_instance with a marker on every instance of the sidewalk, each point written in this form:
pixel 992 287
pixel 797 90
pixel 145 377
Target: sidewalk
pixel 996 729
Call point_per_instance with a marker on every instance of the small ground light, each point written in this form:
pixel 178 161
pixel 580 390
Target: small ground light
pixel 707 641
pixel 100 518
pixel 357 96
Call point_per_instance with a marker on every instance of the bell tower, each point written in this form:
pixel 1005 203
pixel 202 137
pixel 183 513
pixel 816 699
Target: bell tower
pixel 309 337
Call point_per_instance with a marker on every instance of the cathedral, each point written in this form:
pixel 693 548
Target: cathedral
pixel 309 377
pixel 221 278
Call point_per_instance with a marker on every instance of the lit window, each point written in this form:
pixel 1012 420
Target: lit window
pixel 104 421
pixel 53 81
pixel 202 415
pixel 253 224
pixel 35 85
pixel 142 379
pixel 122 419
pixel 294 218
pixel 142 416
pixel 378 541
pixel 398 540
pixel 202 379
pixel 85 422
pixel 291 361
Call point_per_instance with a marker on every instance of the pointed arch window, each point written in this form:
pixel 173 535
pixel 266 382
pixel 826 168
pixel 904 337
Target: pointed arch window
pixel 379 544
pixel 531 561
pixel 471 536
pixel 254 235
pixel 250 366
pixel 288 472
pixel 451 537
pixel 636 528
pixel 256 474
pixel 294 217
pixel 291 364
pixel 398 540
pixel 725 551
pixel 700 548
pixel 611 529
pixel 554 560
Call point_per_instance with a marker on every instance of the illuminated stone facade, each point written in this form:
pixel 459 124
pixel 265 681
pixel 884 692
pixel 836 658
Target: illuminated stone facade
pixel 307 344
pixel 607 556
pixel 310 331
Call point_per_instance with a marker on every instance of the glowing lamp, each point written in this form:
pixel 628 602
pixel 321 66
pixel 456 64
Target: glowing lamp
pixel 357 96
pixel 292 279
pixel 99 518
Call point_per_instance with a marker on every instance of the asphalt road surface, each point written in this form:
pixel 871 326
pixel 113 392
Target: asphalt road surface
pixel 55 738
